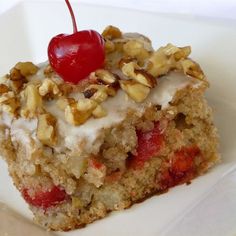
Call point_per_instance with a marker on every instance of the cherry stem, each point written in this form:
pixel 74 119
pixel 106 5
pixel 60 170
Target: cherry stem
pixel 72 16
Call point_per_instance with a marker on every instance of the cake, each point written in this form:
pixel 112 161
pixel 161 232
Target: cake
pixel 130 130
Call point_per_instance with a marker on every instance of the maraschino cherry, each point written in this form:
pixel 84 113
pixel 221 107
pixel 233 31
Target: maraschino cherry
pixel 75 56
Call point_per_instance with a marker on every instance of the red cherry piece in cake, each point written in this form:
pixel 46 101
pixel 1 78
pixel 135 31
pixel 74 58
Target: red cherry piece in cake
pixel 46 199
pixel 95 164
pixel 149 144
pixel 183 160
pixel 182 168
pixel 75 56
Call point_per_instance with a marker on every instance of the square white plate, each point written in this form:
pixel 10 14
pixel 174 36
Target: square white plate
pixel 25 32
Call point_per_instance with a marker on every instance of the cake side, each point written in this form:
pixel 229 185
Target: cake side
pixel 129 131
pixel 187 125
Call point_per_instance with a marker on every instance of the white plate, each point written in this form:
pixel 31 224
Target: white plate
pixel 25 32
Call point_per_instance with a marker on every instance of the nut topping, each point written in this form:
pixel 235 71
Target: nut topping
pixel 166 58
pixel 111 32
pixel 193 69
pixel 99 95
pixel 130 64
pixel 144 78
pixel 33 101
pixel 62 102
pixel 26 68
pixel 15 75
pixel 49 87
pixel 46 129
pixel 138 92
pixel 105 77
pixel 133 71
pixel 136 49
pixel 65 88
pixel 88 93
pixel 109 46
pixel 99 112
pixel 3 89
pixel 48 71
pixel 159 64
pixel 77 113
pixel 182 53
pixel 9 103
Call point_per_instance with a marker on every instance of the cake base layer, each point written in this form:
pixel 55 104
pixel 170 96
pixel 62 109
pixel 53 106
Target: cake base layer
pixel 138 158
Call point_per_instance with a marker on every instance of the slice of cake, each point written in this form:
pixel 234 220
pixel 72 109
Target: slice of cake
pixel 132 129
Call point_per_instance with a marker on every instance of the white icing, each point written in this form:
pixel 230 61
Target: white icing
pixel 6 119
pixel 88 134
pixel 24 131
pixel 117 108
pixel 167 87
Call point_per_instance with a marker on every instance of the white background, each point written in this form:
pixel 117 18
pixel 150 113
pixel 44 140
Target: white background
pixel 212 8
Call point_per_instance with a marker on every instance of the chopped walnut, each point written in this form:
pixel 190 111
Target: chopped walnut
pixel 111 32
pixel 46 129
pixel 65 88
pixel 111 90
pixel 84 104
pixel 103 80
pixel 138 92
pixel 88 93
pixel 135 49
pixel 9 103
pixel 182 53
pixel 166 58
pixel 145 78
pixel 126 60
pixel 17 85
pixel 133 71
pixel 105 77
pixel 15 74
pixel 177 52
pixel 128 68
pixel 26 68
pixel 159 63
pixel 109 46
pixel 49 88
pixel 48 71
pixel 62 102
pixel 33 101
pixel 3 89
pixel 17 79
pixel 78 112
pixel 99 95
pixel 99 112
pixel 193 69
